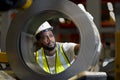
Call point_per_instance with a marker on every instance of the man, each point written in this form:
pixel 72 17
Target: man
pixel 53 57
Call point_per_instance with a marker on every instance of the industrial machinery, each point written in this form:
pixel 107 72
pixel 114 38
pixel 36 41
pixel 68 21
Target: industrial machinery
pixel 6 5
pixel 20 40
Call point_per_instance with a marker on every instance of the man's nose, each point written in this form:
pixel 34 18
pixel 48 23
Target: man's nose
pixel 49 38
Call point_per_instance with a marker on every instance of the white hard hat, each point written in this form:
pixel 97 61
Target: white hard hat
pixel 43 27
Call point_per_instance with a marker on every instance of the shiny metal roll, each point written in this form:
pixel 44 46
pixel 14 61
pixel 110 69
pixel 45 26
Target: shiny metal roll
pixel 20 47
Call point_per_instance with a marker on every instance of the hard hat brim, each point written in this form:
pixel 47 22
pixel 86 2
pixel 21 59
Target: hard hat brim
pixel 49 29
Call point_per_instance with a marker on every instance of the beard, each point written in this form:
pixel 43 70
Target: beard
pixel 50 48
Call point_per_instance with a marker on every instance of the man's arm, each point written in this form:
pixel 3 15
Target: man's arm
pixel 76 49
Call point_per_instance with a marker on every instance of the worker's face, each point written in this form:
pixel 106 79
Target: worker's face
pixel 48 40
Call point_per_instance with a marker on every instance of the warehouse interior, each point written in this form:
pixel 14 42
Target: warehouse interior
pixel 106 17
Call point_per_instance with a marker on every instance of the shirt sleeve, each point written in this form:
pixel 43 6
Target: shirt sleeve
pixel 69 50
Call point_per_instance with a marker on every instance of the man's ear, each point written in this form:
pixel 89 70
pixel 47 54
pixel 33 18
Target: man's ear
pixel 76 49
pixel 37 45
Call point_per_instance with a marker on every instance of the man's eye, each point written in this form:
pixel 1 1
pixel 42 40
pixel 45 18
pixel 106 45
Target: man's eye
pixel 51 35
pixel 45 38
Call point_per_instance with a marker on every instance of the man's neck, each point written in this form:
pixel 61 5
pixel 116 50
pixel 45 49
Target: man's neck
pixel 50 52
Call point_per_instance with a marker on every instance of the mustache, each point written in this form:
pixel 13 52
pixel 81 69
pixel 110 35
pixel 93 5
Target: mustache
pixel 49 48
pixel 51 42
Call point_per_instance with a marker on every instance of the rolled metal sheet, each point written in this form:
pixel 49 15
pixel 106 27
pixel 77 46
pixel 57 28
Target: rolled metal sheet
pixel 19 43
